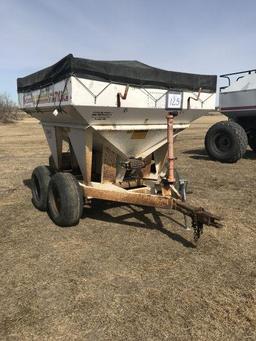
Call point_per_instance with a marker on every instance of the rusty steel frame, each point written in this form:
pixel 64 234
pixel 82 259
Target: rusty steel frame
pixel 124 96
pixel 141 190
pixel 197 214
pixel 194 98
pixel 170 150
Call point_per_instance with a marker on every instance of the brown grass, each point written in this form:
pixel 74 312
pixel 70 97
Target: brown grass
pixel 127 273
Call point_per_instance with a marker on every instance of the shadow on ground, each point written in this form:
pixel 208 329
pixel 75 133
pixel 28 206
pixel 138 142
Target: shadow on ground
pixel 201 154
pixel 27 183
pixel 197 154
pixel 98 212
pixel 250 155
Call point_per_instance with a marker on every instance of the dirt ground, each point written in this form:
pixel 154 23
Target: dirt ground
pixel 127 273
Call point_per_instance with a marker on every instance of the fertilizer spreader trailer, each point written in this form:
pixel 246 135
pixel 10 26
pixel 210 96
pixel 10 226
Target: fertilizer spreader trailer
pixel 119 120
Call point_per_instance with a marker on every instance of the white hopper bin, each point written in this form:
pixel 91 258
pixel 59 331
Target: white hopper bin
pixel 113 115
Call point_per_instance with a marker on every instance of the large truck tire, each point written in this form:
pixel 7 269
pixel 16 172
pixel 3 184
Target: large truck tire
pixel 40 180
pixel 226 141
pixel 252 140
pixel 65 200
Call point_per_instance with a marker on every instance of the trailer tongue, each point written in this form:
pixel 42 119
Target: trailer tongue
pixel 112 115
pixel 198 215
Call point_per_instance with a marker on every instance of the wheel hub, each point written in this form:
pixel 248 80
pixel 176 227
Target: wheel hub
pixel 223 142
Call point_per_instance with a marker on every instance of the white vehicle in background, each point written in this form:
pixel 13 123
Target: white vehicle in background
pixel 227 141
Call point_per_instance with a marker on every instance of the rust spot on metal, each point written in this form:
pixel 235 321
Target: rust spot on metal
pixel 108 170
pixel 170 149
pixel 145 171
pixel 126 184
pixel 194 98
pixel 139 134
pixel 119 96
pixel 197 214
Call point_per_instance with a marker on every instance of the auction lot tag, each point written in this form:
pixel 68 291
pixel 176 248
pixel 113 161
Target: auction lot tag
pixel 174 100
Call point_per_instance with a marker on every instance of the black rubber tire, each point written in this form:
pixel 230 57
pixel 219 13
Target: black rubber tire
pixel 226 141
pixel 40 179
pixel 65 200
pixel 252 140
pixel 66 161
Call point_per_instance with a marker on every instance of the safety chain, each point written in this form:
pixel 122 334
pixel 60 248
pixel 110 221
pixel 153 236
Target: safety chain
pixel 197 229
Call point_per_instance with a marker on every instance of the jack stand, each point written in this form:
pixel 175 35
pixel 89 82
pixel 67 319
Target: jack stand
pixel 183 184
pixel 170 151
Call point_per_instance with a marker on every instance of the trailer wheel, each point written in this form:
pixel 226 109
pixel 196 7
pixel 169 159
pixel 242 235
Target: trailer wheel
pixel 66 161
pixel 252 140
pixel 226 142
pixel 40 179
pixel 65 200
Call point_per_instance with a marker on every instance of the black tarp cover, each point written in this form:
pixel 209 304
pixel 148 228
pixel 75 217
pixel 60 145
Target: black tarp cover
pixel 133 73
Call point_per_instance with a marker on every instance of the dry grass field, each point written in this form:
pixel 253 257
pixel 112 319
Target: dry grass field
pixel 126 272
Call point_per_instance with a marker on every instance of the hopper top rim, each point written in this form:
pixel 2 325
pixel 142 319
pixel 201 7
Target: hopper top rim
pixel 130 72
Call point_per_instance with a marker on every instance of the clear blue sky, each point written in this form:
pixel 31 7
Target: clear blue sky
pixel 198 36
